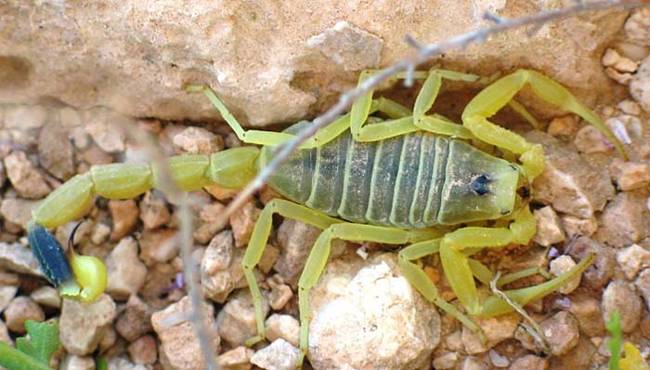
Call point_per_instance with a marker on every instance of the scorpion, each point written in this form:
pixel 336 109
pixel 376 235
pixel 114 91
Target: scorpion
pixel 380 173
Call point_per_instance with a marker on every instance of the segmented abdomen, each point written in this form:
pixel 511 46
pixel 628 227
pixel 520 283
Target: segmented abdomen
pixel 394 182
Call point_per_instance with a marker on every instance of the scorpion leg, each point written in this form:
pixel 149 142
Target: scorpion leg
pixel 258 242
pixel 363 107
pixel 416 276
pixel 456 264
pixel 498 94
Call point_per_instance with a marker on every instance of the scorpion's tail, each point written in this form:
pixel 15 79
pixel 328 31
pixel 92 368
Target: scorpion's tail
pixel 231 168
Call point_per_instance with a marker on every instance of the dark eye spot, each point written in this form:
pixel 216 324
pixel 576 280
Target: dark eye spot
pixel 480 184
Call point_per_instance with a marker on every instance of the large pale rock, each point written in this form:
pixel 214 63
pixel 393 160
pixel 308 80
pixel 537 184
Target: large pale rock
pixel 270 61
pixel 377 310
pixel 126 273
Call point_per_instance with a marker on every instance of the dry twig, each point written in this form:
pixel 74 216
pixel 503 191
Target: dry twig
pixel 425 52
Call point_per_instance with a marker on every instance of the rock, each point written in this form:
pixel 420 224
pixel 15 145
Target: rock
pixel 105 127
pixel 25 178
pixel 100 233
pixel 242 223
pixel 580 357
pixel 143 350
pixel 590 140
pixel 17 210
pixel 221 270
pixel 561 332
pixel 7 293
pixel 153 211
pixel 280 355
pixel 569 183
pixel 565 126
pixel 473 363
pixel 529 362
pixel 630 107
pixel 109 338
pixel 269 258
pixel 286 327
pixel 549 230
pixel 46 296
pixel 496 330
pixel 25 117
pixel 602 269
pixel 121 363
pixel 630 175
pixel 620 296
pixel 236 321
pixel 640 85
pixel 55 151
pixel 374 308
pixel 632 259
pixel 497 359
pixel 135 319
pixel 445 361
pixel 280 293
pixel 352 48
pixel 124 214
pixel 575 226
pixel 637 26
pixel 197 140
pixel 4 334
pixel 82 325
pixel 179 343
pixel 208 225
pixel 625 220
pixel 561 265
pixel 19 310
pixel 643 285
pixel 587 311
pixel 236 359
pixel 158 245
pixel 126 273
pixel 74 362
pixel 15 257
pixel 295 240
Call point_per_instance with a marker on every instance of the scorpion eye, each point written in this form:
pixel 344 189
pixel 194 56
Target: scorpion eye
pixel 480 184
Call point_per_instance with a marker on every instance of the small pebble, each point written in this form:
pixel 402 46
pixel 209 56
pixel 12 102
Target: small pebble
pixel 496 330
pixel 629 107
pixel 586 310
pixel 279 355
pixel 280 295
pixel 74 362
pixel 602 269
pixel 143 350
pixel 624 221
pixel 630 175
pixel 282 326
pixel 236 320
pixel 589 140
pixel 637 26
pixel 632 259
pixel 221 270
pixel 153 211
pixel 445 361
pixel 295 240
pixel 19 310
pixel 25 178
pixel 124 214
pixel 562 265
pixel 236 359
pixel 576 226
pixel 126 273
pixel 242 223
pixel 497 359
pixel 640 85
pixel 565 126
pixel 208 225
pixel 135 319
pixel 100 233
pixel 82 325
pixel 643 285
pixel 549 228
pixel 105 129
pixel 529 362
pixel 46 296
pixel 473 363
pixel 7 293
pixel 620 296
pixel 561 332
pixel 197 140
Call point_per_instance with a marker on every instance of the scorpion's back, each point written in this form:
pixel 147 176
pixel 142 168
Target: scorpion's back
pixel 411 181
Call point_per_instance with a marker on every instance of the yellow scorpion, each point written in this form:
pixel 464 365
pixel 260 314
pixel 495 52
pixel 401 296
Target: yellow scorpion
pixel 381 173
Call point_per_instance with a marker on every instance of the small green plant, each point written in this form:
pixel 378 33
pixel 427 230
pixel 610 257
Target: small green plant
pixel 33 351
pixel 632 359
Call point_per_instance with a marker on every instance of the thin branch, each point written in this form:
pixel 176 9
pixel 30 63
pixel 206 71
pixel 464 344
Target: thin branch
pixel 424 54
pixel 174 194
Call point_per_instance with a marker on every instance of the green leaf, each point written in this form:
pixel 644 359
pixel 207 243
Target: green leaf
pixel 42 342
pixel 616 341
pixel 101 363
pixel 33 351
